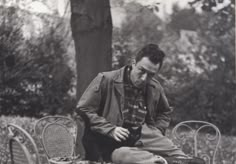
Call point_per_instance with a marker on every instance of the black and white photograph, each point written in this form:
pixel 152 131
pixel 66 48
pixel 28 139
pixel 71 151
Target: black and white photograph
pixel 117 82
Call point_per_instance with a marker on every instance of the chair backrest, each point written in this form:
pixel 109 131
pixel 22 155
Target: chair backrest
pixel 57 134
pixel 198 138
pixel 23 149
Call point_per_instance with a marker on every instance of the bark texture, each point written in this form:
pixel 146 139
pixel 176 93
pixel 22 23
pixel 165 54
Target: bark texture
pixel 91 26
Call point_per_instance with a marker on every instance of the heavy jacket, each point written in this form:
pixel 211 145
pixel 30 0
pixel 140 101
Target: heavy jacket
pixel 103 101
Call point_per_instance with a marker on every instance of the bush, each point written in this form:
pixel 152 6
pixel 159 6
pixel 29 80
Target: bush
pixel 35 77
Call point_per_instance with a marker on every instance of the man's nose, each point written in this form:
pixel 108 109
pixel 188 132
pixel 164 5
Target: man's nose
pixel 144 77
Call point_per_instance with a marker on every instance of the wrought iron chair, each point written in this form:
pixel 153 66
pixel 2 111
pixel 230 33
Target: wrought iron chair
pixel 23 149
pixel 198 138
pixel 57 135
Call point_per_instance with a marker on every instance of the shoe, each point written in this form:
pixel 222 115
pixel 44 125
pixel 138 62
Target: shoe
pixel 182 160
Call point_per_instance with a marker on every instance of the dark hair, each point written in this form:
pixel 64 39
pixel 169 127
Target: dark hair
pixel 152 52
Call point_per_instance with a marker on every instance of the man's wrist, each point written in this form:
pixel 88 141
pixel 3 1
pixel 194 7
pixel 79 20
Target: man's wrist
pixel 111 133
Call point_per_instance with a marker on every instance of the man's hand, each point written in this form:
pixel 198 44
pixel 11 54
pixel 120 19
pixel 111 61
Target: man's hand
pixel 119 134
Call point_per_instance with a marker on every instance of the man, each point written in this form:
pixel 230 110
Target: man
pixel 127 112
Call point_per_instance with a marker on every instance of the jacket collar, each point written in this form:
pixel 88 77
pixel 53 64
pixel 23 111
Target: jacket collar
pixel 119 81
pixel 119 77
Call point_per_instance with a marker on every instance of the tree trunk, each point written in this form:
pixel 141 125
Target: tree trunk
pixel 91 26
pixel 92 32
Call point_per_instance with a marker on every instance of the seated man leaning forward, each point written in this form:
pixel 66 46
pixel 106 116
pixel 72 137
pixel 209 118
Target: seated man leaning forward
pixel 127 113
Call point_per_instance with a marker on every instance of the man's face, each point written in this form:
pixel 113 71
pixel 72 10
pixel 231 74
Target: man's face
pixel 143 71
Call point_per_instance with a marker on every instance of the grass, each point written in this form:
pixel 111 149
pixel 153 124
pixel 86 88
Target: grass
pixel 226 153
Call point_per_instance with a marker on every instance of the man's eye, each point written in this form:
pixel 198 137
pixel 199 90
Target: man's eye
pixel 151 74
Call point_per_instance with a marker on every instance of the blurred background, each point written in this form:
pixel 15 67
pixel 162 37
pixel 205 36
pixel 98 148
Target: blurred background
pixel 38 66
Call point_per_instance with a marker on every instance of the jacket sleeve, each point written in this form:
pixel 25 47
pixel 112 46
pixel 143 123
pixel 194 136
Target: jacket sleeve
pixel 163 111
pixel 90 106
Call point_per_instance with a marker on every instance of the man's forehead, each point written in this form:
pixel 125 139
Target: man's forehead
pixel 146 64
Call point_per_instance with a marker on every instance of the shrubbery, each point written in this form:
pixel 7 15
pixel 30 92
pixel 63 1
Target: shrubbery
pixel 34 75
pixel 198 73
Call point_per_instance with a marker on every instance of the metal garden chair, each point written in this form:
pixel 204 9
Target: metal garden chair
pixel 57 134
pixel 23 149
pixel 198 138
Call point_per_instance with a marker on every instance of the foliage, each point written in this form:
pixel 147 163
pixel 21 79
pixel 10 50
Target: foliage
pixel 199 70
pixel 208 5
pixel 35 77
pixel 206 63
pixel 133 34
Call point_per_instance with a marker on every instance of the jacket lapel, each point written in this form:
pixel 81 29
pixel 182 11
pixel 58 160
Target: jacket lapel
pixel 150 97
pixel 119 82
pixel 119 88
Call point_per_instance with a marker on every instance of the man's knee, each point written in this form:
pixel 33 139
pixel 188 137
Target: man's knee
pixel 121 155
pixel 131 155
